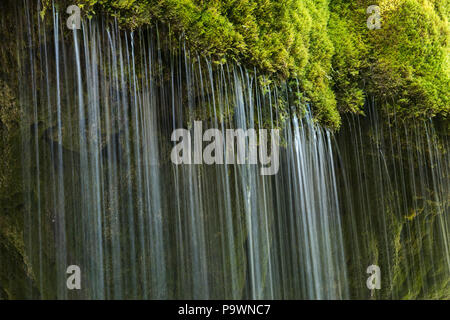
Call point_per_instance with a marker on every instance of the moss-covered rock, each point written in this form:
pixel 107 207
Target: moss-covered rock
pixel 325 44
pixel 404 65
pixel 338 62
pixel 283 39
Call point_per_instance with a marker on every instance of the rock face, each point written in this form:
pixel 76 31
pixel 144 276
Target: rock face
pixel 15 272
pixel 394 192
pixel 74 186
pixel 325 45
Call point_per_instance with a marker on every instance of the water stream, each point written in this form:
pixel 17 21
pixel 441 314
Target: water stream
pixel 98 108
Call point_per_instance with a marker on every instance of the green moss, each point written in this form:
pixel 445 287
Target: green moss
pixel 349 62
pixel 404 65
pixel 412 52
pixel 325 44
pixel 282 39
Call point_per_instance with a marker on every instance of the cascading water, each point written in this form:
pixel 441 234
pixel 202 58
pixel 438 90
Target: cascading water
pixel 104 103
pixel 98 107
pixel 396 186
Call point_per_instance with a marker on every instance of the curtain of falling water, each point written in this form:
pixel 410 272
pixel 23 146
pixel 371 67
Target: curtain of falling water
pixel 99 106
pixel 395 186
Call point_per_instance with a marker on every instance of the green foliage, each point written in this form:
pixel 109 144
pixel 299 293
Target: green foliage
pixel 324 43
pixel 348 32
pixel 411 66
pixel 404 65
pixel 283 39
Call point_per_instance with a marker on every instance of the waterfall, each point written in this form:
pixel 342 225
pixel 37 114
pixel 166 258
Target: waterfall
pixel 396 186
pixel 104 104
pixel 98 106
